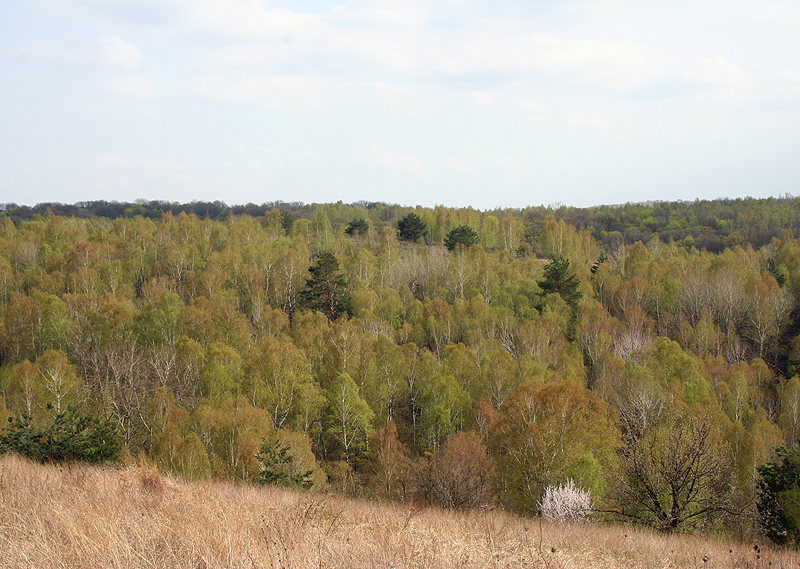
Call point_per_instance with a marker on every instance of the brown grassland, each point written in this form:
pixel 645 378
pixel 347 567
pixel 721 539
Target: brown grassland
pixel 88 517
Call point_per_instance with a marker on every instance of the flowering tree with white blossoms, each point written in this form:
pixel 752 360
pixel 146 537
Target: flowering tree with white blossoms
pixel 566 503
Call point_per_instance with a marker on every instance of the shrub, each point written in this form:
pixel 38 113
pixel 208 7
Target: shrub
pixel 70 438
pixel 566 503
pixel 779 496
pixel 278 467
pixel 460 475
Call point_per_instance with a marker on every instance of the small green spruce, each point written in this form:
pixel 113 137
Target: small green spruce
pixel 71 437
pixel 277 467
pixel 326 290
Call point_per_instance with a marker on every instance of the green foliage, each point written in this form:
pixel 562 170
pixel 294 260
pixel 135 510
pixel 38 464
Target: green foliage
pixel 558 280
pixel 779 496
pixel 277 467
pixel 411 227
pixel 548 433
pixel 773 269
pixel 326 290
pixel 462 235
pixel 357 227
pixel 184 321
pixel 71 437
pixel 349 420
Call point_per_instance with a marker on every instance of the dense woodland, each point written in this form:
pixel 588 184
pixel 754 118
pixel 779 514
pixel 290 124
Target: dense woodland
pixel 649 352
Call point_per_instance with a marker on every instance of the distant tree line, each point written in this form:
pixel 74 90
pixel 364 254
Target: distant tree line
pixel 711 225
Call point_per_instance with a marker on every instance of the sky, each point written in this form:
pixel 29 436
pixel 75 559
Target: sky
pixel 508 103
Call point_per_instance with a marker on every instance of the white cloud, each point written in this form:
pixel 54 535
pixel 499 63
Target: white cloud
pixel 587 121
pixel 613 64
pixel 136 87
pixel 568 163
pixel 531 105
pixel 481 99
pixel 783 14
pixel 499 159
pixel 237 18
pixel 791 75
pixel 394 13
pixel 717 71
pixel 111 160
pixel 395 94
pixel 454 164
pixel 120 53
pixel 393 160
pixel 598 120
pixel 272 91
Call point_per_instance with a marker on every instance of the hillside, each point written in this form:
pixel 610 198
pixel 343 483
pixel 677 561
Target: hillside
pixel 418 353
pixel 81 517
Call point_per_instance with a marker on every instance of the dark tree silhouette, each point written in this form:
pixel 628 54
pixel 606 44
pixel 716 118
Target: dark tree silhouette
pixel 558 279
pixel 410 228
pixel 461 235
pixel 779 488
pixel 326 290
pixel 678 475
pixel 357 227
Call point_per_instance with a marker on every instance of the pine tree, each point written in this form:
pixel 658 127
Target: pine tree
pixel 461 235
pixel 558 279
pixel 326 290
pixel 357 227
pixel 410 228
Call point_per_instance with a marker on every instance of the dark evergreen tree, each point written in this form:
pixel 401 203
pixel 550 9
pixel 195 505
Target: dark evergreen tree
pixel 286 221
pixel 461 235
pixel 779 496
pixel 326 290
pixel 411 227
pixel 71 437
pixel 357 227
pixel 558 279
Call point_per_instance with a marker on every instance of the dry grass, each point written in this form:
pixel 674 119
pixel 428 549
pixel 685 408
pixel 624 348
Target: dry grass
pixel 83 517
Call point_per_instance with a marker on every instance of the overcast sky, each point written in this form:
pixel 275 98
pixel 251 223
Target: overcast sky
pixel 501 103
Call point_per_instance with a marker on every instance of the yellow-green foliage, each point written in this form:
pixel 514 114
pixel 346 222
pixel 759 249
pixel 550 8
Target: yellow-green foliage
pixel 191 336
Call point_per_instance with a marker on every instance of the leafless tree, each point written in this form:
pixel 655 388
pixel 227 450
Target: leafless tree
pixel 677 475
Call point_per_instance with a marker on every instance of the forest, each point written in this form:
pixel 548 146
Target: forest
pixel 646 353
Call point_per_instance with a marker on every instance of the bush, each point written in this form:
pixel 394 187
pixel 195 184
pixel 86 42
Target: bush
pixel 566 503
pixel 779 496
pixel 70 438
pixel 460 475
pixel 279 467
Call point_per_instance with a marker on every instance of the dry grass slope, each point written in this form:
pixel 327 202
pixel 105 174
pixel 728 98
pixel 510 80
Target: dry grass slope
pixel 84 517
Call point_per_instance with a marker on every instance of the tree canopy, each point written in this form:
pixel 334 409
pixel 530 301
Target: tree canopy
pixel 202 332
pixel 559 280
pixel 357 227
pixel 462 235
pixel 326 290
pixel 410 227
